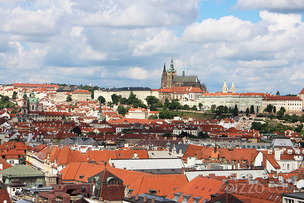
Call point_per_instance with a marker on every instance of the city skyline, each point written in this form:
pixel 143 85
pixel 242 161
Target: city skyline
pixel 256 44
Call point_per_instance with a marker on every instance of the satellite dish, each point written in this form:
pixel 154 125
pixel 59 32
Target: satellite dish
pixel 300 184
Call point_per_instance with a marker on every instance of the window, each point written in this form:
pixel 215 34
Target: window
pixel 113 182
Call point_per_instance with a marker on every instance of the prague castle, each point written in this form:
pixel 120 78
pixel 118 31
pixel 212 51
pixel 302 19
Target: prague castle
pixel 170 79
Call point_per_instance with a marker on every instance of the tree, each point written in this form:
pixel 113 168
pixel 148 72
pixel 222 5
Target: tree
pixel 69 98
pixel 14 95
pixel 278 93
pixel 251 109
pixel 299 128
pixel 101 99
pixel 132 98
pixel 213 107
pixel 235 111
pixel 247 111
pixel 5 99
pixel 203 135
pixel 294 118
pixel 153 117
pixel 151 100
pixel 123 100
pixel 274 109
pixel 194 108
pixel 174 104
pixel 225 110
pixel 167 135
pixel 121 110
pixel 186 107
pixel 166 103
pixel 200 106
pixel 77 130
pixel 268 108
pixel 115 98
pixel 281 112
pixel 219 111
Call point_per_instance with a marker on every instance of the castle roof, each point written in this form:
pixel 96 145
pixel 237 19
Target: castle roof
pixel 190 78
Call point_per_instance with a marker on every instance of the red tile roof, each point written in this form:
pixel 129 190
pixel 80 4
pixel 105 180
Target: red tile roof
pixel 289 98
pixel 198 187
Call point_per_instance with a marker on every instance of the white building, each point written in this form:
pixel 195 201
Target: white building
pixel 140 92
pixel 242 100
pixel 139 113
pixel 292 104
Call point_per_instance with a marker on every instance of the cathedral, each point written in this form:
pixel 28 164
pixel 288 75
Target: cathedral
pixel 170 79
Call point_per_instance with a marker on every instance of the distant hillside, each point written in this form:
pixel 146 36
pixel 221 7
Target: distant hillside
pixel 5 102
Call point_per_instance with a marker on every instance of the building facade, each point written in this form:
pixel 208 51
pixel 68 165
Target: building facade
pixel 292 104
pixel 141 93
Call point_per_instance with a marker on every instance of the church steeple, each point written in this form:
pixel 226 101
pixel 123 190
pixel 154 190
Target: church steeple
pixel 233 87
pixel 164 68
pixel 225 87
pixel 100 114
pixel 171 69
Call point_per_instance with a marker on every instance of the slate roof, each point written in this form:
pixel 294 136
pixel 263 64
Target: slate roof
pixel 78 141
pixel 21 171
pixel 157 199
pixel 190 78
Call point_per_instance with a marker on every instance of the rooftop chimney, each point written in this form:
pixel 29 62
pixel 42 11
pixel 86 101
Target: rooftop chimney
pixel 186 198
pixel 177 196
pixel 196 199
pixel 59 178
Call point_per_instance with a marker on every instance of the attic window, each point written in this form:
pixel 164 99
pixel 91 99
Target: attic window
pixel 81 177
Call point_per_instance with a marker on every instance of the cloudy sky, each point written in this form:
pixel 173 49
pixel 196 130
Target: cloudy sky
pixel 258 44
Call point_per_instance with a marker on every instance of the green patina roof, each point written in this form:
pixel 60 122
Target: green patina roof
pixel 21 171
pixel 33 100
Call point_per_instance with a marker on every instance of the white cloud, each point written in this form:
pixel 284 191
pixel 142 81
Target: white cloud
pixel 228 28
pixel 135 13
pixel 272 5
pixel 263 64
pixel 134 73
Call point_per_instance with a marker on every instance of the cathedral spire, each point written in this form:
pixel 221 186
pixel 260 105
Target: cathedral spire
pixel 171 69
pixel 225 87
pixel 164 68
pixel 233 87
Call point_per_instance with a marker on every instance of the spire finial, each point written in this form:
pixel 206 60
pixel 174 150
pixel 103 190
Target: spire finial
pixel 171 69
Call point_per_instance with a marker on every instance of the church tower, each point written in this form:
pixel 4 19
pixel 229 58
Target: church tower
pixel 225 88
pixel 33 103
pixel 167 76
pixel 170 74
pixel 24 105
pixel 164 77
pixel 233 87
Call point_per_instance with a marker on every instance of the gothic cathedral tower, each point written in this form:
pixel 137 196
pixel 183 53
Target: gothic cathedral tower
pixel 167 76
pixel 164 78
